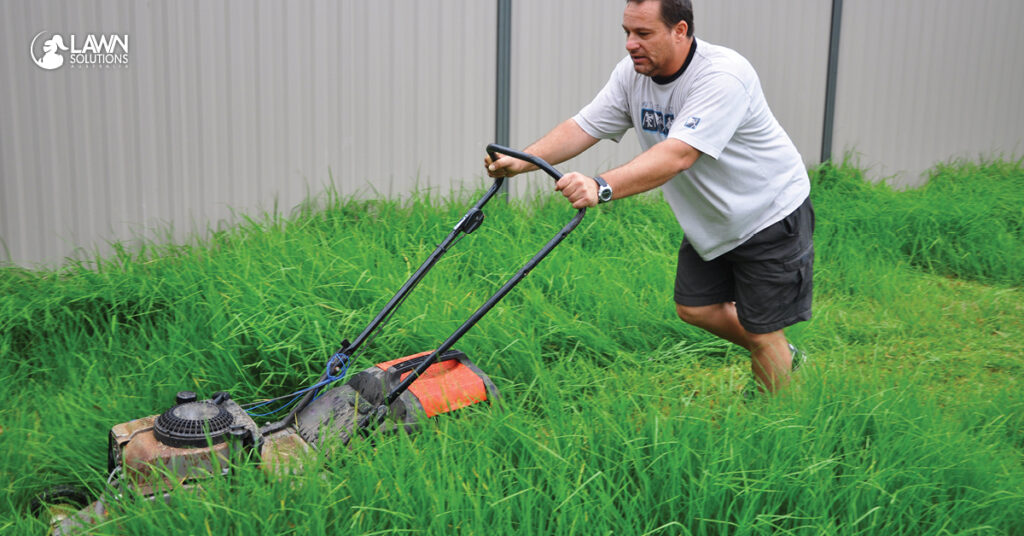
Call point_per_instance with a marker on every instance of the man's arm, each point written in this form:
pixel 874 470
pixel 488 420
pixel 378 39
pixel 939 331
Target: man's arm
pixel 649 170
pixel 563 142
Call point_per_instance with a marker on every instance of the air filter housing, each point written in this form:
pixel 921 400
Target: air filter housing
pixel 193 424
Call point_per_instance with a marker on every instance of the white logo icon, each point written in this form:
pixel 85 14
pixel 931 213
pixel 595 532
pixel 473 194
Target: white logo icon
pixel 51 59
pixel 89 50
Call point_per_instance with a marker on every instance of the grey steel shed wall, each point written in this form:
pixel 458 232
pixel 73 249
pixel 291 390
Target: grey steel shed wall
pixel 925 81
pixel 234 106
pixel 237 106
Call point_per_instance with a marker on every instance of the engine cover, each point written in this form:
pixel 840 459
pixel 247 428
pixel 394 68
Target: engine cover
pixel 181 444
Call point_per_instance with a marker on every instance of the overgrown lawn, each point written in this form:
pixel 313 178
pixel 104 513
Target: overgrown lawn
pixel 617 418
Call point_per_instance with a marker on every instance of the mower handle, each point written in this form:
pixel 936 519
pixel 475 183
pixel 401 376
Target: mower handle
pixel 469 223
pixel 369 423
pixel 535 160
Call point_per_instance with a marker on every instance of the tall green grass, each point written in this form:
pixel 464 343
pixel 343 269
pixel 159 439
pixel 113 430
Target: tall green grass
pixel 966 222
pixel 617 418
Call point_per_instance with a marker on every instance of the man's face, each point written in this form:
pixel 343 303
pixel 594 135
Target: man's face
pixel 653 46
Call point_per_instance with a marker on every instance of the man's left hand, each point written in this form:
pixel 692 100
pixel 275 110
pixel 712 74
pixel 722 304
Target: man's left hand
pixel 579 189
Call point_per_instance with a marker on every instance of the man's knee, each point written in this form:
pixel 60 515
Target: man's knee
pixel 775 339
pixel 697 316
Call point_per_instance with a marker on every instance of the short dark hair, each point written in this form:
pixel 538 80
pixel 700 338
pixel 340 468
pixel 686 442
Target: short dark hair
pixel 673 11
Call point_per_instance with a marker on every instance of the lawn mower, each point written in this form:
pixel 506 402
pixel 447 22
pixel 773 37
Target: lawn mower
pixel 200 438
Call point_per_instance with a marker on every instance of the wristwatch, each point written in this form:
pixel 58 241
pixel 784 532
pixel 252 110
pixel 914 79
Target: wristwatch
pixel 604 192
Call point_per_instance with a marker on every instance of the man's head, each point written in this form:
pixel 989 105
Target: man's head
pixel 672 12
pixel 658 34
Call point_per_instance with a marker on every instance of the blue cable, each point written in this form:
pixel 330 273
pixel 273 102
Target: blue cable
pixel 338 361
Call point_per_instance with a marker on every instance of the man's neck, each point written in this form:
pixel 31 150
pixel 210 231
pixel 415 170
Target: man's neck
pixel 680 67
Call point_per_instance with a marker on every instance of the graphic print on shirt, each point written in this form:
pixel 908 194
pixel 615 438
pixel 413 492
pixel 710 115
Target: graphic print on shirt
pixel 652 119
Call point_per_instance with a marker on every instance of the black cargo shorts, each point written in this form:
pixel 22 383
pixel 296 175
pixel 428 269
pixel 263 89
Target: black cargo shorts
pixel 769 276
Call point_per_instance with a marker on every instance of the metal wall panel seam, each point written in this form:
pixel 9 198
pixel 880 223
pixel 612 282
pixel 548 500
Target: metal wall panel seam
pixel 133 153
pixel 204 143
pixel 227 181
pixel 31 182
pixel 78 163
pixel 162 98
pixel 830 80
pixel 140 102
pixel 13 233
pixel 259 132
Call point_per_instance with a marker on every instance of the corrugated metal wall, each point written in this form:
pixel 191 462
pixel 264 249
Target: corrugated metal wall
pixel 232 105
pixel 924 81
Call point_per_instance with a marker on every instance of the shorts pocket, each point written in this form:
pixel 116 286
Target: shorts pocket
pixel 798 262
pixel 773 294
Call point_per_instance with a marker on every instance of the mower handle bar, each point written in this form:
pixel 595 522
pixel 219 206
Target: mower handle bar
pixel 469 223
pixel 370 422
pixel 494 148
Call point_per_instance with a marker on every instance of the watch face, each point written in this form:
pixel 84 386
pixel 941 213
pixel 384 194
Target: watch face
pixel 605 194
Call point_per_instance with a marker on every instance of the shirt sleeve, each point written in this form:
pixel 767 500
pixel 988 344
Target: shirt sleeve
pixel 607 116
pixel 711 113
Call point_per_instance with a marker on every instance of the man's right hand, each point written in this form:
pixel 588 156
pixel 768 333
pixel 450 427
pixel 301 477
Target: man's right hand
pixel 504 166
pixel 563 142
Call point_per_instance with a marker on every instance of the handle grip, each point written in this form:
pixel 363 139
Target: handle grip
pixel 535 160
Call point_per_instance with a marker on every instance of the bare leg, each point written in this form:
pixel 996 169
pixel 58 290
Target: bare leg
pixel 770 358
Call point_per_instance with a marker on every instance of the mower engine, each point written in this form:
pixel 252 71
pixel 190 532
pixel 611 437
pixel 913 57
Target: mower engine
pixel 197 439
pixel 189 441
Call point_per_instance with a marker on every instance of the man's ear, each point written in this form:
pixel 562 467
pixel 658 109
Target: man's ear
pixel 680 30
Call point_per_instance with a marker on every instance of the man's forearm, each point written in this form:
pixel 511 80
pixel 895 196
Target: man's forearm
pixel 651 168
pixel 562 143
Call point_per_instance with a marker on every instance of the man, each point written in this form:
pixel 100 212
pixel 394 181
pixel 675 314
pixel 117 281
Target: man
pixel 733 178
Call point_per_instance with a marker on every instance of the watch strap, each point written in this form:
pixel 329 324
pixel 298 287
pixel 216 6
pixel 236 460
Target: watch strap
pixel 604 191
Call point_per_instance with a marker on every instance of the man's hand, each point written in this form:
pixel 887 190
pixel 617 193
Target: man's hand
pixel 505 166
pixel 563 142
pixel 579 189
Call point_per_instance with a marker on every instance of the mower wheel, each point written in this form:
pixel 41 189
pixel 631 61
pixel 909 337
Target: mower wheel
pixel 57 503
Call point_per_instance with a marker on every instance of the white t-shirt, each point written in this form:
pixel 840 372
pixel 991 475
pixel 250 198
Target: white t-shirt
pixel 750 175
